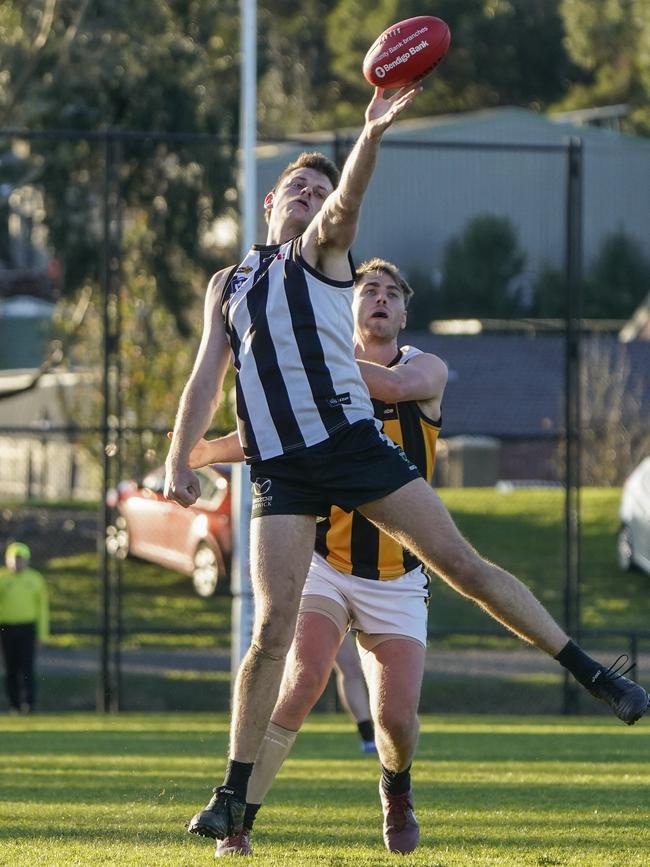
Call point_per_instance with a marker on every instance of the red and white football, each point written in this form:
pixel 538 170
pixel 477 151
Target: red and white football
pixel 407 51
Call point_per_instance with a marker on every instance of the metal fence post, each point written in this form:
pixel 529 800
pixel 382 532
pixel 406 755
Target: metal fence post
pixel 572 400
pixel 109 566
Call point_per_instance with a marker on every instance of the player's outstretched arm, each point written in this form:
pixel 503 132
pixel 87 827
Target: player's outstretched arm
pixel 423 379
pixel 336 225
pixel 199 398
pixel 221 450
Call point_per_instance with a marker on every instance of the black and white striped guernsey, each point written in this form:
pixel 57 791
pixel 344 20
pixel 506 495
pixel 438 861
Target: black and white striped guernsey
pixel 291 333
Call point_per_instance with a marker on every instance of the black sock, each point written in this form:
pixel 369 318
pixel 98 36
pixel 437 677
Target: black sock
pixel 366 729
pixel 249 815
pixel 395 782
pixel 581 666
pixel 237 775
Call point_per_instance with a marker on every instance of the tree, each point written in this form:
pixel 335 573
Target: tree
pixel 503 52
pixel 479 269
pixel 610 40
pixel 550 294
pixel 424 306
pixel 130 64
pixel 154 360
pixel 614 433
pixel 618 280
pixel 296 87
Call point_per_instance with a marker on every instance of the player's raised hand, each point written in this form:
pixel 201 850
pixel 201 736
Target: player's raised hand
pixel 382 111
pixel 182 486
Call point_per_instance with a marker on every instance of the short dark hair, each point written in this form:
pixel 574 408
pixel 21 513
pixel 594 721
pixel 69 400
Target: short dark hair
pixel 377 264
pixel 314 160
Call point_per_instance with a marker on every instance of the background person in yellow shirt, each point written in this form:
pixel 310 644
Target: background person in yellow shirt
pixel 24 620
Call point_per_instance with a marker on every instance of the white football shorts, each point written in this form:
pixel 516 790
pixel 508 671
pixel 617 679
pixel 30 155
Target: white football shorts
pixel 383 609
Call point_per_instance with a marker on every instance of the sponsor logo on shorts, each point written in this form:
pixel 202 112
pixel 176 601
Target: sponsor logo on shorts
pixel 261 497
pixel 406 459
pixel 261 487
pixel 400 450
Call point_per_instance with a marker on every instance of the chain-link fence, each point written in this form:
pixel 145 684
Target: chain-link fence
pixel 112 237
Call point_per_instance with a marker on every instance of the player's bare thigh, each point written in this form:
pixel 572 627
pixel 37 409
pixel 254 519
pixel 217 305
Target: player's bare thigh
pixel 416 516
pixel 281 551
pixel 397 658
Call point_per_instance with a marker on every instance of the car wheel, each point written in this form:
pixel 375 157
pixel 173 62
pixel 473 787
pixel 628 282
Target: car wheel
pixel 205 574
pixel 624 550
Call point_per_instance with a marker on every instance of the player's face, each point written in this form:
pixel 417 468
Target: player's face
pixel 379 308
pixel 299 196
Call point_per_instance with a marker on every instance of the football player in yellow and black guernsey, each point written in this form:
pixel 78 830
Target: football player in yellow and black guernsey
pixel 360 579
pixel 348 541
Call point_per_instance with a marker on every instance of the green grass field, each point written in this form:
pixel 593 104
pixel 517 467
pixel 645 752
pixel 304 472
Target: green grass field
pixel 85 790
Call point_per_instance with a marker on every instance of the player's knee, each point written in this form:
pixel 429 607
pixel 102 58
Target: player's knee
pixel 465 568
pixel 309 682
pixel 272 637
pixel 398 723
pixel 261 652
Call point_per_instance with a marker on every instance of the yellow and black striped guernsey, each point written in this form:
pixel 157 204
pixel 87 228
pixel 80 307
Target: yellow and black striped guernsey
pixel 349 542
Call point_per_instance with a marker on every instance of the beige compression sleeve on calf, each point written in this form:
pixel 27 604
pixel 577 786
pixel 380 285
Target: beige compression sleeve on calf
pixel 274 749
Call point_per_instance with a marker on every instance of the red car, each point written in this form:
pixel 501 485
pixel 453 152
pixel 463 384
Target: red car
pixel 195 541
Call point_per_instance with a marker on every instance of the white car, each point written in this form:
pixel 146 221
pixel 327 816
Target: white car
pixel 633 544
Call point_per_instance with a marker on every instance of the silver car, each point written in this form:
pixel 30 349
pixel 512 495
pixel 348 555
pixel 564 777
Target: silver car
pixel 633 544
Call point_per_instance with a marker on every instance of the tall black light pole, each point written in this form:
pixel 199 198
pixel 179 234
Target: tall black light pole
pixel 572 402
pixel 109 566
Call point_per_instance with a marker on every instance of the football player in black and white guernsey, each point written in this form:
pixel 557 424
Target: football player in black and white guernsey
pixel 307 429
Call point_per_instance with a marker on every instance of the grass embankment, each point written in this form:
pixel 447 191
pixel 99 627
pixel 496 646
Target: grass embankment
pixel 523 531
pixel 152 598
pixel 86 790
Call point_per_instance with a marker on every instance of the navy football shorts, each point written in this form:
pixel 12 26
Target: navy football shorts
pixel 354 466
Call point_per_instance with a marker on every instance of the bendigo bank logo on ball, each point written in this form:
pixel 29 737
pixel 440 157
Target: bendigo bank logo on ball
pixel 380 71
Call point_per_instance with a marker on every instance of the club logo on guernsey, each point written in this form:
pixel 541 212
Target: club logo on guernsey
pixel 239 278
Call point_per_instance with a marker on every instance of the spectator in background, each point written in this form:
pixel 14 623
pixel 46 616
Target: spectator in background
pixel 24 620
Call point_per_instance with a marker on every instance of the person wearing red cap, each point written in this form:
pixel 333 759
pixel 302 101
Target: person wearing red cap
pixel 24 620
